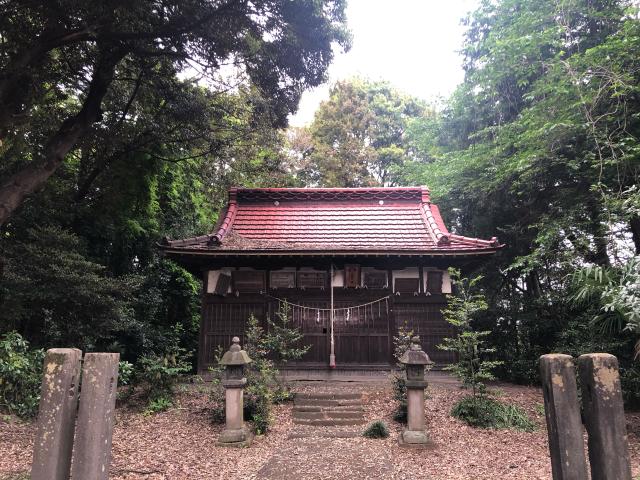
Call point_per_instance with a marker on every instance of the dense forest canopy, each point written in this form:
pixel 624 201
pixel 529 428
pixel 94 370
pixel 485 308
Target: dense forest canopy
pixel 538 145
pixel 124 122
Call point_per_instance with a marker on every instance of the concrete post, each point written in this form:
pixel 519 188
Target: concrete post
pixel 235 433
pixel 415 360
pixel 604 417
pixel 92 450
pixel 562 411
pixel 56 415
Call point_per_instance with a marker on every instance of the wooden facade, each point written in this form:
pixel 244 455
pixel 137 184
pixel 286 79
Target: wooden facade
pixel 363 341
pixel 383 252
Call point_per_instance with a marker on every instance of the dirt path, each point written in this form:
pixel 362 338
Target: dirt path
pixel 322 458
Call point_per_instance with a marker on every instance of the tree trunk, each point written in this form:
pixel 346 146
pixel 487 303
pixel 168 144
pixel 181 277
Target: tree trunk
pixel 35 174
pixel 635 232
pixel 599 255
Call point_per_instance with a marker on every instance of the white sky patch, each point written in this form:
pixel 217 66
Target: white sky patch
pixel 413 44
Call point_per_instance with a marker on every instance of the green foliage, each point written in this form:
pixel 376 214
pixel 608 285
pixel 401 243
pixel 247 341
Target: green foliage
pixel 630 381
pixel 157 405
pixel 401 343
pixel 258 401
pixel 54 294
pixel 471 366
pixel 167 310
pixel 616 290
pixel 79 264
pixel 125 373
pixel 539 145
pixel 107 63
pixel 155 375
pixel 357 137
pixel 20 375
pixel 282 339
pixel 399 387
pixel 485 412
pixel 377 429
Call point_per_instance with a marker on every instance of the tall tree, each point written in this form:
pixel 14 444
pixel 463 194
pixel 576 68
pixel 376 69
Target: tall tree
pixel 540 144
pixel 65 57
pixel 357 137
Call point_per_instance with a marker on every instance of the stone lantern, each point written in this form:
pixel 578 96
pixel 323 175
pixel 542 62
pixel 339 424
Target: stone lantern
pixel 235 434
pixel 415 360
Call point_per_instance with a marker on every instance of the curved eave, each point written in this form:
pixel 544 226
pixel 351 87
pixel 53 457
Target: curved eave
pixel 331 253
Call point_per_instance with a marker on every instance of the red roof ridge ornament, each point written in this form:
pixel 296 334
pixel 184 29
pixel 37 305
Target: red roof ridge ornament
pixel 435 223
pixel 426 194
pixel 225 225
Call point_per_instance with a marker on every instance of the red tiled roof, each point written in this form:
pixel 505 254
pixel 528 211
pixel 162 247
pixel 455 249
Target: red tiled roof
pixel 353 220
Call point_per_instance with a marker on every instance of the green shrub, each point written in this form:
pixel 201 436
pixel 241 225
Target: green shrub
pixel 399 385
pixel 125 373
pixel 159 404
pixel 472 366
pixel 485 412
pixel 377 429
pixel 257 407
pixel 630 381
pixel 20 375
pixel 155 375
pixel 401 344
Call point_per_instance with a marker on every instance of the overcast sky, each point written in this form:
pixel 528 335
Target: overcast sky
pixel 411 43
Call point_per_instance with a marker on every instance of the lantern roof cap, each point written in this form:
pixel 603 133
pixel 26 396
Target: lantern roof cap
pixel 235 355
pixel 415 355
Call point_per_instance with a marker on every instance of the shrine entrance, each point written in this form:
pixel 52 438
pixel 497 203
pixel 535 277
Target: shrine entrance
pixel 361 331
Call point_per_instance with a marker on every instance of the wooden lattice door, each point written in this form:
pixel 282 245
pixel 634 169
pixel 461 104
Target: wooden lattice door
pixel 362 334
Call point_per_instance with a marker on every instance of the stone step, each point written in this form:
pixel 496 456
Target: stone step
pixel 340 431
pixel 338 408
pixel 314 402
pixel 324 422
pixel 328 396
pixel 327 415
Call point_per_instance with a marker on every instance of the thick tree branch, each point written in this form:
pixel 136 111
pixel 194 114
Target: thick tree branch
pixel 35 174
pixel 16 72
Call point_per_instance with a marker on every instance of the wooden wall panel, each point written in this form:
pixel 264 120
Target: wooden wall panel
pixel 426 320
pixel 222 322
pixel 361 339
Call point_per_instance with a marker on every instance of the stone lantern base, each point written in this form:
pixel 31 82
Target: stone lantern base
pixel 239 438
pixel 416 439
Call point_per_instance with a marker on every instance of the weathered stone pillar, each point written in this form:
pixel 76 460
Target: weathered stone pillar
pixel 604 417
pixel 56 415
pixel 415 360
pixel 92 449
pixel 562 411
pixel 235 433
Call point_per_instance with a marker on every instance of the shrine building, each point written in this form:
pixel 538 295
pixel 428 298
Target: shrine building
pixel 352 265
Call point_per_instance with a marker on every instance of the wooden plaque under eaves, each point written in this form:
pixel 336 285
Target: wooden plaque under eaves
pixel 222 285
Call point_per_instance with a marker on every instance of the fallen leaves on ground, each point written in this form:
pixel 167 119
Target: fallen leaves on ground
pixel 181 443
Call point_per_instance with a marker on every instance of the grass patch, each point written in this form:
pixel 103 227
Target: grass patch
pixel 486 412
pixel 377 429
